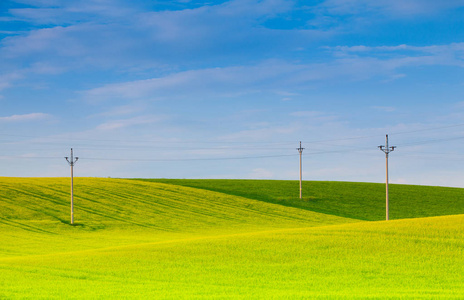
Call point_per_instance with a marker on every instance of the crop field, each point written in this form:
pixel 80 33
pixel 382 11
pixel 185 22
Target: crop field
pixel 228 239
pixel 362 201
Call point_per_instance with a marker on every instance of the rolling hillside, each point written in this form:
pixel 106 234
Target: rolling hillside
pixel 228 239
pixel 363 201
pixel 402 259
pixel 149 211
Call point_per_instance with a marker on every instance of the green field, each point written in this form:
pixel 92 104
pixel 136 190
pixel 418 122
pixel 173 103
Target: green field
pixel 362 201
pixel 228 239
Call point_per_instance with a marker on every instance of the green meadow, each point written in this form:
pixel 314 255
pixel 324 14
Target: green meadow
pixel 228 239
pixel 361 201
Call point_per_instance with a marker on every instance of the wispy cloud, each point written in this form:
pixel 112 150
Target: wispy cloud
pixel 314 116
pixel 122 123
pixel 225 71
pixel 7 79
pixel 210 81
pixel 262 134
pixel 14 77
pixel 350 16
pixel 391 7
pixel 456 48
pixel 384 108
pixel 26 117
pixel 395 57
pixel 308 113
pixel 277 75
pixel 122 110
pixel 69 12
pixel 122 36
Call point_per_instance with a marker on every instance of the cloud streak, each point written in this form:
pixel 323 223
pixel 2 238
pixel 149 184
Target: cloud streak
pixel 349 63
pixel 25 118
pixel 123 123
pixel 396 8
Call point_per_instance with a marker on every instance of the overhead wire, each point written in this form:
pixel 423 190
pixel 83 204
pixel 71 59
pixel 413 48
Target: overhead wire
pixel 431 141
pixel 429 129
pixel 199 141
pixel 147 160
pixel 148 146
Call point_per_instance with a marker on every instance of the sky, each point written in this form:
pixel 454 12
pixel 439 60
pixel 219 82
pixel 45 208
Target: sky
pixel 228 89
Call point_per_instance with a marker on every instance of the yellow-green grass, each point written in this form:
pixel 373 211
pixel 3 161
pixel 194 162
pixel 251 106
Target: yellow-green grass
pixel 35 214
pixel 363 201
pixel 142 239
pixel 409 259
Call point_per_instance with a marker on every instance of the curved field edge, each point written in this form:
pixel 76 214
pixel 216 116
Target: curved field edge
pixel 34 214
pixel 355 200
pixel 414 258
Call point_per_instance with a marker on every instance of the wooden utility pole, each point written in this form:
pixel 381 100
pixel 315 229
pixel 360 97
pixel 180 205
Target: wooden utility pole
pixel 71 162
pixel 300 150
pixel 386 149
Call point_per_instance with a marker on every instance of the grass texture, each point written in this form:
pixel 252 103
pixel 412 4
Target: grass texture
pixel 144 239
pixel 363 201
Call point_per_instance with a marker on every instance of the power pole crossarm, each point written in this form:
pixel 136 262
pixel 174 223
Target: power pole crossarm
pixel 300 150
pixel 386 149
pixel 72 162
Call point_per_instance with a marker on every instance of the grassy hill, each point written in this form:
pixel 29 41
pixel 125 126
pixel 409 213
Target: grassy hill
pixel 363 201
pixel 226 240
pixel 116 207
pixel 402 259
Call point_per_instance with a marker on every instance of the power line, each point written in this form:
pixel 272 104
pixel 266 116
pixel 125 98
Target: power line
pixel 429 129
pixel 189 159
pixel 317 152
pixel 28 157
pixel 199 141
pixel 151 160
pixel 394 133
pixel 150 148
pixel 228 148
pixel 424 156
pixel 417 143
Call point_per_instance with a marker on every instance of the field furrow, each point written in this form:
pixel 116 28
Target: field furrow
pixel 212 239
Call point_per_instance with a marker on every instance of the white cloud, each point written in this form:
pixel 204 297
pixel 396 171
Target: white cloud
pixel 314 116
pixel 55 42
pixel 308 113
pixel 26 117
pixel 39 3
pixel 274 75
pixel 120 111
pixel 384 108
pixel 45 69
pixel 213 80
pixel 122 36
pixel 11 79
pixel 456 48
pixel 262 134
pixel 390 7
pixel 68 12
pixel 7 80
pixel 393 58
pixel 122 123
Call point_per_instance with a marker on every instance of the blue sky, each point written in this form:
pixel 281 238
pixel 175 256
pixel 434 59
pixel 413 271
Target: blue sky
pixel 227 89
